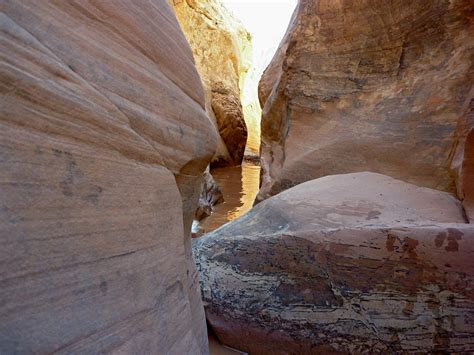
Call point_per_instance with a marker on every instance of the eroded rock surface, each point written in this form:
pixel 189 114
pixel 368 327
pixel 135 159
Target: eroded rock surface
pixel 104 139
pixel 222 50
pixel 367 86
pixel 210 195
pixel 347 263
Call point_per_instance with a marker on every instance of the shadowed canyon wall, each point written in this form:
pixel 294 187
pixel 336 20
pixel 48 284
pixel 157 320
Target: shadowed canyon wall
pixel 463 161
pixel 222 50
pixel 368 85
pixel 104 138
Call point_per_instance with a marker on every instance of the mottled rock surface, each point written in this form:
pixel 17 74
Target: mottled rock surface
pixel 367 86
pixel 103 142
pixel 351 263
pixel 210 195
pixel 222 51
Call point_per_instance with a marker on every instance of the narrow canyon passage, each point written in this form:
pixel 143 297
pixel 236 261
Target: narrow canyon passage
pixel 123 123
pixel 240 184
pixel 266 35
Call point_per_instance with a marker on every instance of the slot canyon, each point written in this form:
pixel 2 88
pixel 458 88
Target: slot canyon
pixel 232 176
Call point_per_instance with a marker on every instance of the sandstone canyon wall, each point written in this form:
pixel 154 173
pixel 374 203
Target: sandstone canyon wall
pixel 104 138
pixel 222 50
pixel 351 263
pixel 368 86
pixel 463 161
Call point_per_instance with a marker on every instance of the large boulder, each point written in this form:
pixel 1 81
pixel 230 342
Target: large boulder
pixel 367 86
pixel 222 50
pixel 346 263
pixel 104 139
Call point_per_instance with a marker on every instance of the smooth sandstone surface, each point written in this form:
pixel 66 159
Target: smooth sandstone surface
pixel 222 49
pixel 103 142
pixel 346 263
pixel 368 86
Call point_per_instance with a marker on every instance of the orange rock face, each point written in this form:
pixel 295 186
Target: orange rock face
pixel 222 51
pixel 104 139
pixel 365 85
pixel 351 263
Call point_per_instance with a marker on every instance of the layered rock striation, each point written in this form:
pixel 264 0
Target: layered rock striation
pixel 352 263
pixel 222 50
pixel 104 138
pixel 368 86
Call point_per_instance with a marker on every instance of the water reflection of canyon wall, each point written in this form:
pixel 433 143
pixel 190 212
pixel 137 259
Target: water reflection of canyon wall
pixel 239 186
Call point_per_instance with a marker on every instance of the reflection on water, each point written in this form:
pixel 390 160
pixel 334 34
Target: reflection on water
pixel 239 186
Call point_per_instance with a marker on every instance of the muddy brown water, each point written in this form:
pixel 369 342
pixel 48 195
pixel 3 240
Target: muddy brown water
pixel 239 185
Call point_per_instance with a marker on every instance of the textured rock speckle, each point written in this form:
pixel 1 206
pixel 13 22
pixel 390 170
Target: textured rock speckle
pixel 306 271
